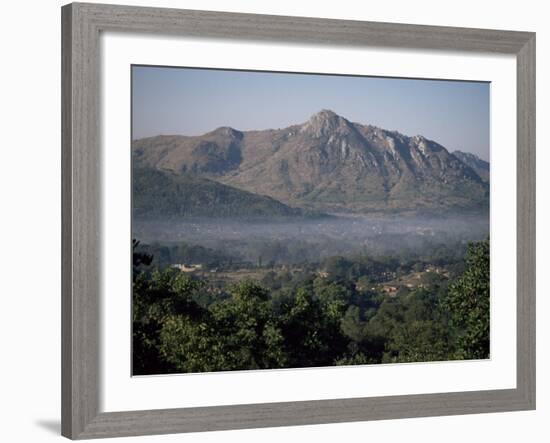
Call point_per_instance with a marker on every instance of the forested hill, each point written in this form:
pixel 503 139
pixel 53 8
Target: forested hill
pixel 163 194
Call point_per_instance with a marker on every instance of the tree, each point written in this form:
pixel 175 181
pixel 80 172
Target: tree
pixel 157 296
pixel 311 330
pixel 468 303
pixel 139 259
pixel 416 341
pixel 238 333
pixel 184 323
pixel 351 324
pixel 247 333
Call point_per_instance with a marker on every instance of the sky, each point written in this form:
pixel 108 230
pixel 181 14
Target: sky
pixel 191 101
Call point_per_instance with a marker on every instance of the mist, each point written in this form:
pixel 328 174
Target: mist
pixel 312 240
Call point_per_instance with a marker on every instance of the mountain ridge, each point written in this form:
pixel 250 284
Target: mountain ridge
pixel 327 163
pixel 480 166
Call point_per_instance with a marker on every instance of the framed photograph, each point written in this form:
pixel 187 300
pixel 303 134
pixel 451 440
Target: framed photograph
pixel 275 221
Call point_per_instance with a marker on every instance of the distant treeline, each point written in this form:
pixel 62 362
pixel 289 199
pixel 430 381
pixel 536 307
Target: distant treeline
pixel 181 252
pixel 266 252
pixel 302 319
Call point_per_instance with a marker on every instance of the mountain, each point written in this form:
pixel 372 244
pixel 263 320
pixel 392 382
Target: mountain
pixel 473 161
pixel 164 194
pixel 214 153
pixel 327 163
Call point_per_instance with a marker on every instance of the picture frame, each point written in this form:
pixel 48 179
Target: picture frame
pixel 81 227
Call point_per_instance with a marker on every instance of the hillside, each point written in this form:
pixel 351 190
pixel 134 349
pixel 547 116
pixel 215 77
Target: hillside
pixel 163 194
pixel 327 163
pixel 473 161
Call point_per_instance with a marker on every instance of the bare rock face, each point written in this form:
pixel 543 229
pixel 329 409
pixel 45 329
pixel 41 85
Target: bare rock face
pixel 481 167
pixel 326 123
pixel 327 163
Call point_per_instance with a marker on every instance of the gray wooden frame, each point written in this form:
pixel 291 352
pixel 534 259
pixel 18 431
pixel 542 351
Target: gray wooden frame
pixel 81 27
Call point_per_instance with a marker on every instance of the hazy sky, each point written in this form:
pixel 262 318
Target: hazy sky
pixel 194 101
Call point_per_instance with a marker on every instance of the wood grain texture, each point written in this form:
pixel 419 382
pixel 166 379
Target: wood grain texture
pixel 258 27
pixel 66 223
pixel 80 220
pixel 81 235
pixel 167 421
pixel 526 220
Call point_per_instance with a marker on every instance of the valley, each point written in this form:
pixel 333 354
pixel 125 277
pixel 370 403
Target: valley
pixel 324 243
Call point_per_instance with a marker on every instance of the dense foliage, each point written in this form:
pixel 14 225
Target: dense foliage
pixel 468 301
pixel 335 313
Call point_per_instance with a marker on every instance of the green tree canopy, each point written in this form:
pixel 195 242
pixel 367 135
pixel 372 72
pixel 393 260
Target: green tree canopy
pixel 469 301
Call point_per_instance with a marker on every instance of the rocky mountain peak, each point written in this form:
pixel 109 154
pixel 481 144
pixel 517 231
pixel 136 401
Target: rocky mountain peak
pixel 325 123
pixel 327 163
pixel 325 114
pixel 226 131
